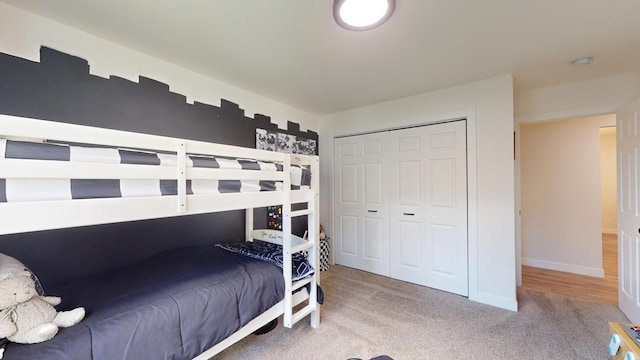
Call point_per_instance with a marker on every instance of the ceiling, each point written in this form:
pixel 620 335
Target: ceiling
pixel 292 50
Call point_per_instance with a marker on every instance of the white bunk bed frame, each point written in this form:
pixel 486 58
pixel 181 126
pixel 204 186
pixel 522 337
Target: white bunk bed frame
pixel 57 214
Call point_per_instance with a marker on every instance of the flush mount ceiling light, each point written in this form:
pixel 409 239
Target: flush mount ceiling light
pixel 359 15
pixel 586 60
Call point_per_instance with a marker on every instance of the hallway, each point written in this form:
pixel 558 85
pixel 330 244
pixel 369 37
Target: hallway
pixel 580 286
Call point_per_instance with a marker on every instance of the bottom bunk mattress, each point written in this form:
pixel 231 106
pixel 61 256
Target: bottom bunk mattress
pixel 174 305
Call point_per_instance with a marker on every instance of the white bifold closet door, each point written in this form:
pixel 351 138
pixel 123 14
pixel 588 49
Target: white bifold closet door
pixel 401 205
pixel 428 206
pixel 361 201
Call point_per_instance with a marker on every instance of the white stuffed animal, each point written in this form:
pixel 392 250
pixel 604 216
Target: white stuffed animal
pixel 28 318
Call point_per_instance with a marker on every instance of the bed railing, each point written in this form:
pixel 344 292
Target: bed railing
pixel 44 215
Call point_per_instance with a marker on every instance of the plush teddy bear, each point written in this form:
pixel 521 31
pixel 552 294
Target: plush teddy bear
pixel 27 317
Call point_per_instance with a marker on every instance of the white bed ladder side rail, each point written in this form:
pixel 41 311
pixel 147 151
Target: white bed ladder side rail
pixel 248 227
pixel 312 246
pixel 286 246
pixel 182 177
pixel 313 224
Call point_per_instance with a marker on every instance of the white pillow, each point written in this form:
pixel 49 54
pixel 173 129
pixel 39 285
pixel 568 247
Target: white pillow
pixel 10 266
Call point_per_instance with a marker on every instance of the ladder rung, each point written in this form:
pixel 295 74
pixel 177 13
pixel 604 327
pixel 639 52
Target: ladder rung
pixel 302 313
pixel 301 212
pixel 301 247
pixel 300 283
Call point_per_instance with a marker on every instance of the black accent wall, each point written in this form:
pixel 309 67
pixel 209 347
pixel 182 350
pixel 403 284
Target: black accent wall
pixel 60 88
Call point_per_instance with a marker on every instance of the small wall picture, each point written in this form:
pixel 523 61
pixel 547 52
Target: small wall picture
pixel 274 217
pixel 280 142
pixel 301 146
pixel 312 147
pixel 265 140
pixel 285 143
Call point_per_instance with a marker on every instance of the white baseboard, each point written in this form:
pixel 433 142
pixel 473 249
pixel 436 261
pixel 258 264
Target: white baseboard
pixel 610 231
pixel 493 300
pixel 570 268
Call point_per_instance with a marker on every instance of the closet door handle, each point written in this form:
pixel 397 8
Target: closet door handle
pixel 372 211
pixel 408 214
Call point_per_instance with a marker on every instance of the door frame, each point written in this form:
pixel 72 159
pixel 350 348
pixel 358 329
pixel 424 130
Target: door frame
pixel 472 193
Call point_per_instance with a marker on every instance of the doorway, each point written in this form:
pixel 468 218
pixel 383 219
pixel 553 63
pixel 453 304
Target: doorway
pixel 564 249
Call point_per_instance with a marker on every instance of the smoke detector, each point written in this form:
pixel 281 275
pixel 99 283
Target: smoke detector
pixel 585 60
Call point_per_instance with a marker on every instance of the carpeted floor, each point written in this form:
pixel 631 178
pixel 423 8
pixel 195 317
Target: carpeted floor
pixel 366 315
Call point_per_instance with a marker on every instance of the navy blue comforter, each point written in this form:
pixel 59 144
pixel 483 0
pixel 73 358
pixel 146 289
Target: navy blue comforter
pixel 172 306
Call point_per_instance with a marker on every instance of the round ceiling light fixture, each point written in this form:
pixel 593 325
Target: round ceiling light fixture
pixel 359 15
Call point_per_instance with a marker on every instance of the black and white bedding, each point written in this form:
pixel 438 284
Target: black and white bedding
pixel 174 305
pixel 272 253
pixel 262 250
pixel 17 190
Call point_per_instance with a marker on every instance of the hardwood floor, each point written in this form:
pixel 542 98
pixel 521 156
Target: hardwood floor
pixel 580 286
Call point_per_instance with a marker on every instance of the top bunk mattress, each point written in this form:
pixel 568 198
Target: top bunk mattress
pixel 35 189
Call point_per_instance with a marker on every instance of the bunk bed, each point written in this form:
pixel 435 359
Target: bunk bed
pixel 55 175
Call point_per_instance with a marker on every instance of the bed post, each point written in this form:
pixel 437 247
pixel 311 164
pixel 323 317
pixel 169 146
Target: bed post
pixel 182 177
pixel 286 245
pixel 313 224
pixel 248 225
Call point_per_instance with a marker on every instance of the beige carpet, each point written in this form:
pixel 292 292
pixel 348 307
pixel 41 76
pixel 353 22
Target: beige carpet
pixel 366 315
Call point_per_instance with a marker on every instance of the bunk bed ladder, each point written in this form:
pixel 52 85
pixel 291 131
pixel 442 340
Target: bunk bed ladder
pixel 291 315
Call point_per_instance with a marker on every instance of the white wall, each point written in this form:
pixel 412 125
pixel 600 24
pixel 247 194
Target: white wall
pixel 608 180
pixel 22 33
pixel 561 212
pixel 593 97
pixel 488 104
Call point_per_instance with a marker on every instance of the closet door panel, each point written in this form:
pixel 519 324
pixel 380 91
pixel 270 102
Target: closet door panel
pixel 373 222
pixel 360 207
pixel 409 182
pixel 406 207
pixel 348 190
pixel 408 261
pixel 373 192
pixel 373 213
pixel 408 143
pixel 409 243
pixel 443 249
pixel 373 236
pixel 443 183
pixel 347 202
pixel 446 207
pixel 372 145
pixel 348 230
pixel 374 257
